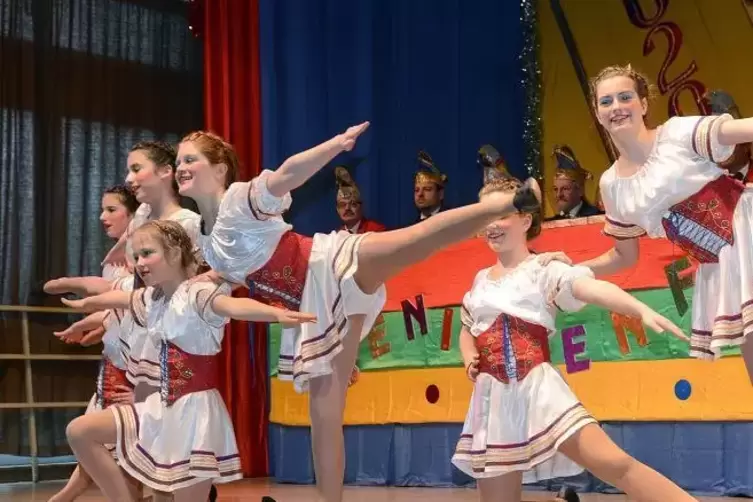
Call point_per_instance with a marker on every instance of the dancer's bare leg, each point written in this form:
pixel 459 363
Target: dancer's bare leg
pixel 591 448
pixel 505 488
pixel 78 483
pixel 327 406
pixel 747 353
pixel 87 436
pixel 384 254
pixel 197 492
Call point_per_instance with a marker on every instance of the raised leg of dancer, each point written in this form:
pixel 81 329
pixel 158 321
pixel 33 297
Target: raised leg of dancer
pixel 87 436
pixel 381 256
pixel 594 450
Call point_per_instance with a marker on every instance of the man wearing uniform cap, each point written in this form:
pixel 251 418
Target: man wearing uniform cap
pixel 350 207
pixel 492 163
pixel 569 187
pixel 738 165
pixel 428 187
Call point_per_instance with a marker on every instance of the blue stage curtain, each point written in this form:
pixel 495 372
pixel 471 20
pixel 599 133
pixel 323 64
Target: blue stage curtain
pixel 442 76
pixel 703 457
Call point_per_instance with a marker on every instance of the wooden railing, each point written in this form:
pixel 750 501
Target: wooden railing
pixel 27 357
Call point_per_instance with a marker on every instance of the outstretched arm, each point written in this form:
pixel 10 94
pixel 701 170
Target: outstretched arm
pixel 81 286
pixel 611 297
pixel 114 299
pixel 736 131
pixel 76 332
pixel 246 309
pixel 623 255
pixel 300 167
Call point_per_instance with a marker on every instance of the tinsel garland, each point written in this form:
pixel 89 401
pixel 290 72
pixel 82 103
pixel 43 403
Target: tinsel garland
pixel 531 82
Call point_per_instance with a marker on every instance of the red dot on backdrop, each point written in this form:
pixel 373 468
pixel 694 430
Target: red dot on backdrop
pixel 432 394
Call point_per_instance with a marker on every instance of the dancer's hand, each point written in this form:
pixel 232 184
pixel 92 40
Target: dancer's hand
pixel 471 369
pixel 349 137
pixel 546 258
pixel 290 318
pixel 123 395
pixel 80 304
pixel 354 376
pixel 58 286
pixel 93 337
pixel 533 185
pixel 660 324
pixel 77 332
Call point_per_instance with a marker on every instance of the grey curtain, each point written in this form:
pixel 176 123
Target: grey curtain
pixel 80 82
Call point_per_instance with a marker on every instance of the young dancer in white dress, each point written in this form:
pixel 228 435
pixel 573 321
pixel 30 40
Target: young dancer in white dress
pixel 524 424
pixel 338 276
pixel 666 183
pixel 151 177
pixel 180 439
pixel 118 207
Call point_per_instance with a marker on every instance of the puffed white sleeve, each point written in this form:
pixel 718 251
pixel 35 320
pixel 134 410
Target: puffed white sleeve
pixel 246 232
pixel 261 202
pixel 466 308
pixel 699 136
pixel 200 297
pixel 613 225
pixel 556 283
pixel 141 301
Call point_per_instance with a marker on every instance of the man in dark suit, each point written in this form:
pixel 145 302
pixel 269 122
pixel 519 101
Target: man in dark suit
pixel 569 187
pixel 428 187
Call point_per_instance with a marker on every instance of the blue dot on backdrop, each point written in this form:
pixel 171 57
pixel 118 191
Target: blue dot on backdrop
pixel 683 389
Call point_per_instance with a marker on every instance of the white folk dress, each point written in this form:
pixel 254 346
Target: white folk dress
pixel 173 445
pixel 518 424
pixel 247 236
pixel 679 168
pixel 141 352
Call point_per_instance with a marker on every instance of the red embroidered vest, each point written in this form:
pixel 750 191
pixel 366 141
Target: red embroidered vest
pixel 109 379
pixel 511 348
pixel 701 225
pixel 281 280
pixel 184 373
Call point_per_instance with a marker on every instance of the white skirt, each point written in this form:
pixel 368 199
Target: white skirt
pixel 520 426
pixel 331 293
pixel 723 295
pixel 169 448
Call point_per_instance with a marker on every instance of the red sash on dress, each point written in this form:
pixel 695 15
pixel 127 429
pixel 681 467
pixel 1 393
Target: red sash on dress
pixel 281 280
pixel 701 225
pixel 186 373
pixel 109 379
pixel 525 342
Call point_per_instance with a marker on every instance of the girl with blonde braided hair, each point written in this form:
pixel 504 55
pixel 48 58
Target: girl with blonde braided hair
pixel 666 182
pixel 181 438
pixel 338 276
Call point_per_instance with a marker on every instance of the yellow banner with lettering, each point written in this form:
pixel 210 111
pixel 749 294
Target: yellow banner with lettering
pixel 685 47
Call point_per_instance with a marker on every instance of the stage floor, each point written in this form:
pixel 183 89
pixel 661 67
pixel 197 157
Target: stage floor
pixel 253 490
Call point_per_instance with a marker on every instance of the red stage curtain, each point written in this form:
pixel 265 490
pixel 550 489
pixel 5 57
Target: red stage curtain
pixel 232 101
